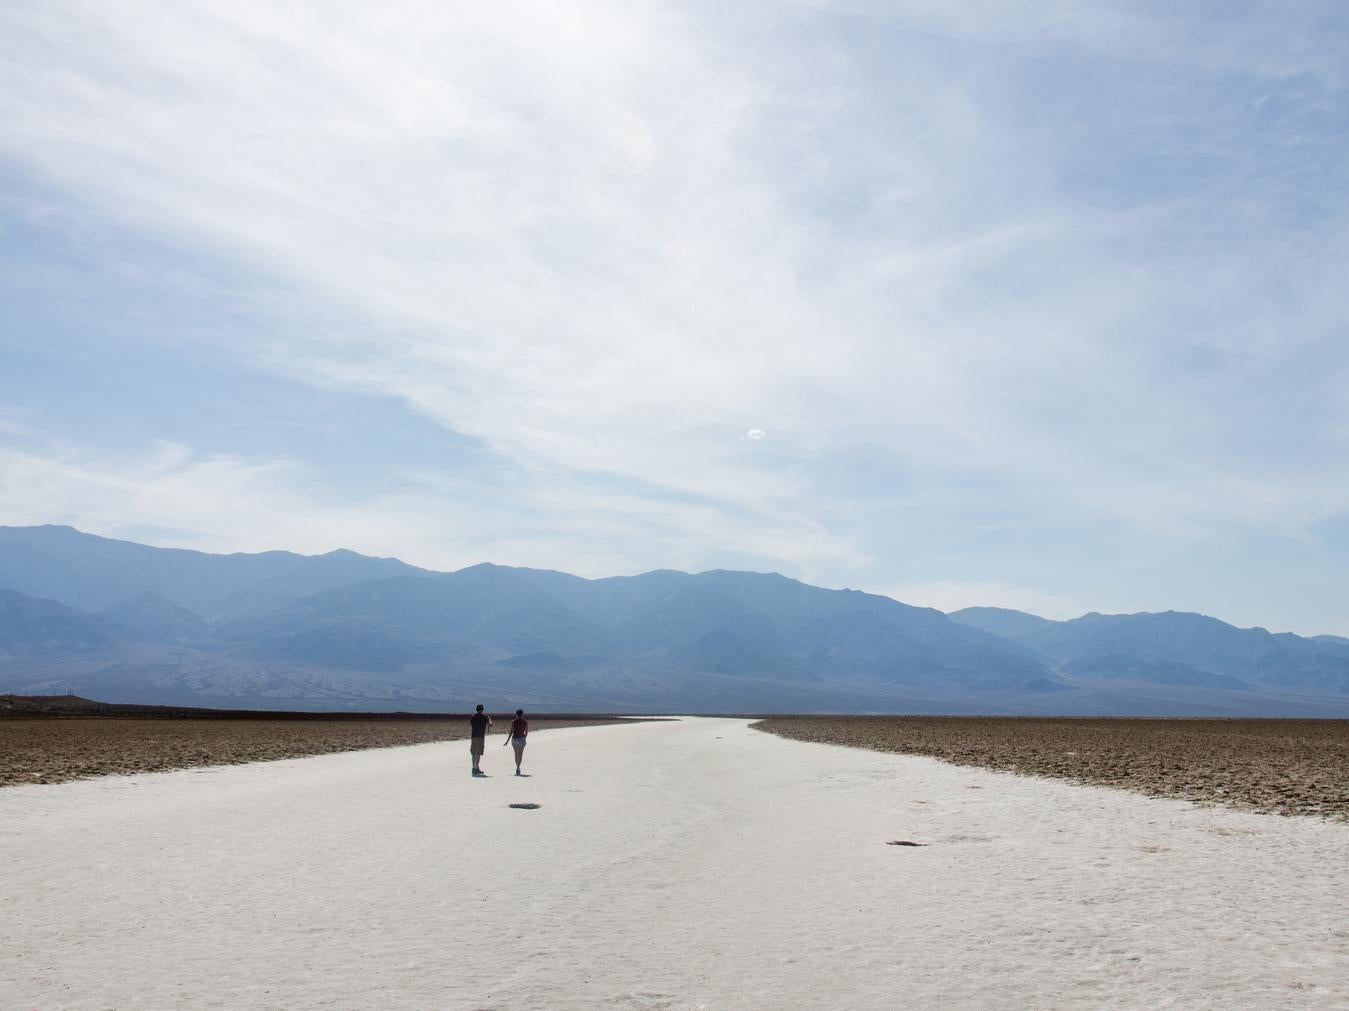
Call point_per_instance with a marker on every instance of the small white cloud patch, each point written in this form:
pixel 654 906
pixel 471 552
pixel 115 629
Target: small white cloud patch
pixel 756 434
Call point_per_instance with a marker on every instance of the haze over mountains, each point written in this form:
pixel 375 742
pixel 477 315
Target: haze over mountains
pixel 126 622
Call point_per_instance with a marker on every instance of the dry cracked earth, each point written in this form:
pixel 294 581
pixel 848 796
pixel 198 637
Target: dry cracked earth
pixel 76 742
pixel 1293 767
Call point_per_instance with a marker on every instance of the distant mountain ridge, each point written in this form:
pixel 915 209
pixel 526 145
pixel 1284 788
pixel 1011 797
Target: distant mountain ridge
pixel 1175 647
pixel 1001 621
pixel 32 626
pixel 155 618
pixel 92 573
pixel 125 622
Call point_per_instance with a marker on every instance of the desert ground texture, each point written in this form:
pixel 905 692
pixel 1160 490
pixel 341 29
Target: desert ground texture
pixel 46 748
pixel 1280 766
pixel 689 864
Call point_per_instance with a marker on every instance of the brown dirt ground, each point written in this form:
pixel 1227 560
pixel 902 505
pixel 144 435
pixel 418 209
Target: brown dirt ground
pixel 1281 766
pixel 53 749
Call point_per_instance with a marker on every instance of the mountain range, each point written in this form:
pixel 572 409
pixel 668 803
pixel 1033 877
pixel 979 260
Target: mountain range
pixel 127 622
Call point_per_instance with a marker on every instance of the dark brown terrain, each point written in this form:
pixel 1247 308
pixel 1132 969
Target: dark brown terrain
pixel 51 739
pixel 1281 766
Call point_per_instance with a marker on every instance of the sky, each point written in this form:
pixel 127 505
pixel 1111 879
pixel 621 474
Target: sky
pixel 1022 303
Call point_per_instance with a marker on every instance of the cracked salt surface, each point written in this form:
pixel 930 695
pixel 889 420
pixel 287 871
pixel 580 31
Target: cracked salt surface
pixel 664 868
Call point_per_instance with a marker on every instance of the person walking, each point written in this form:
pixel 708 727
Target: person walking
pixel 519 731
pixel 477 742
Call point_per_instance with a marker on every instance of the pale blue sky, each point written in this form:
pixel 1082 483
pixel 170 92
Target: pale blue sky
pixel 1038 304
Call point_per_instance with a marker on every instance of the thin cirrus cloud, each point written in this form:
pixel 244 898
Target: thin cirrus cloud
pixel 1070 265
pixel 177 498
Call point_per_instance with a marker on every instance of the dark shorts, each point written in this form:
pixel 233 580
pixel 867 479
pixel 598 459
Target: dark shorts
pixel 476 745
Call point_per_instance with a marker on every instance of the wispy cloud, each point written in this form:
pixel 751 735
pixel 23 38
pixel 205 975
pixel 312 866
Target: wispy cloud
pixel 172 496
pixel 1075 263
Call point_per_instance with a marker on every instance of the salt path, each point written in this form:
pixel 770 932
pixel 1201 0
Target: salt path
pixel 689 864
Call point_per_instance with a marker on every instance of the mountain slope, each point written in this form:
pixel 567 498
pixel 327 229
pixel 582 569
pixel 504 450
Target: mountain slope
pixel 1200 643
pixel 91 573
pixel 1001 621
pixel 159 620
pixel 738 624
pixel 345 630
pixel 386 624
pixel 1175 648
pixel 33 627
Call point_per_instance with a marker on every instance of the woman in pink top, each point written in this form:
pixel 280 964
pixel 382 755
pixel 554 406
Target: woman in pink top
pixel 519 731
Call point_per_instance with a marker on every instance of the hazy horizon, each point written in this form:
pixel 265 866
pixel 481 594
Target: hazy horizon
pixel 666 568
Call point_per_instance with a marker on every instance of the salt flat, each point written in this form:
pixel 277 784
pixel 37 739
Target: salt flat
pixel 688 864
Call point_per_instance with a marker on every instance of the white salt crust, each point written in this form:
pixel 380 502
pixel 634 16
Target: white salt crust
pixel 691 864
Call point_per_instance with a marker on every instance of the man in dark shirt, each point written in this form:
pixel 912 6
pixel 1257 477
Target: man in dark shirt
pixel 479 721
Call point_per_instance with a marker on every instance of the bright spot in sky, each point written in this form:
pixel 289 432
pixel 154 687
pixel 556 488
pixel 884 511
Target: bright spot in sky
pixel 755 433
